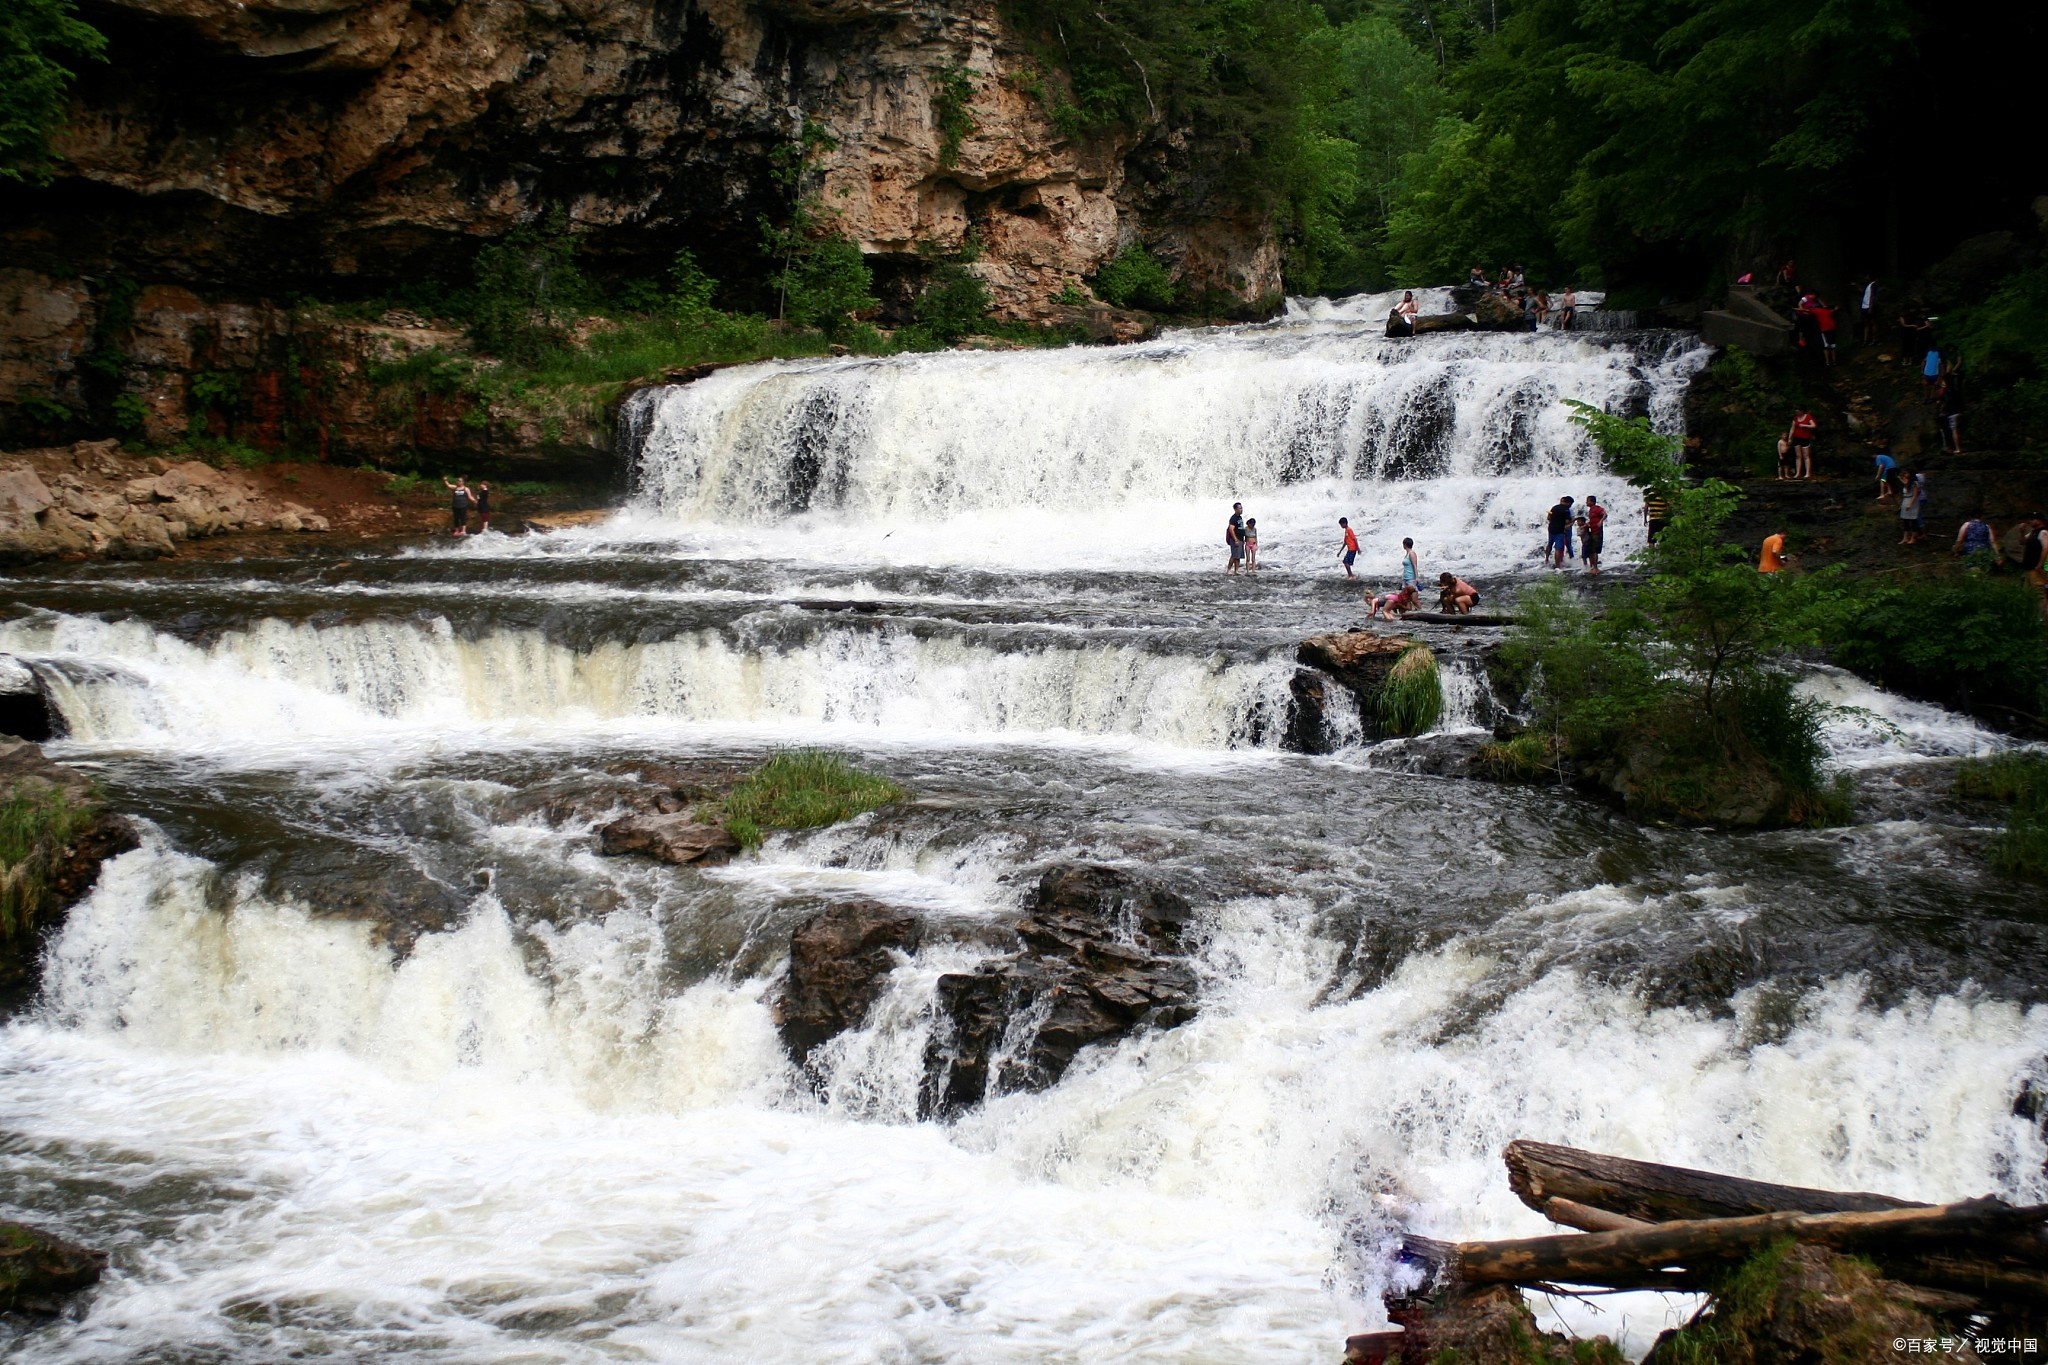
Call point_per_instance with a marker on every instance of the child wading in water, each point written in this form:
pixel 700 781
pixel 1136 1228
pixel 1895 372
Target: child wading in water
pixel 1251 543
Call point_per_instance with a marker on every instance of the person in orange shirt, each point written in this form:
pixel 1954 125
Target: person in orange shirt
pixel 1773 559
pixel 1349 552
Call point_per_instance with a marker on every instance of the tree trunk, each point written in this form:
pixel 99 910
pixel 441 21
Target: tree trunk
pixel 1540 1172
pixel 1979 1245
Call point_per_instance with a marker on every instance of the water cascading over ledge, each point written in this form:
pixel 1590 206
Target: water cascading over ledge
pixel 1129 446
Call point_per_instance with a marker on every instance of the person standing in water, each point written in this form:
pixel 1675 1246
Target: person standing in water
pixel 1410 575
pixel 1233 538
pixel 1251 544
pixel 1558 548
pixel 483 507
pixel 1347 553
pixel 458 504
pixel 1594 537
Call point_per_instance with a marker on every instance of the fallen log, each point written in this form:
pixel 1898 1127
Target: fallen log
pixel 1573 1214
pixel 1980 1246
pixel 1539 1172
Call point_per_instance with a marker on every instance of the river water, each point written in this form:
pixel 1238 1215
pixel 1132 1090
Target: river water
pixel 366 1054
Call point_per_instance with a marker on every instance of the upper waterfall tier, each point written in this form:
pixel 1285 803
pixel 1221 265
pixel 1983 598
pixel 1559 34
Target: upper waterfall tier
pixel 1081 454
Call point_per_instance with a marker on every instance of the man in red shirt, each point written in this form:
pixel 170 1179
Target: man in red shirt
pixel 1824 318
pixel 1804 427
pixel 1350 550
pixel 1595 535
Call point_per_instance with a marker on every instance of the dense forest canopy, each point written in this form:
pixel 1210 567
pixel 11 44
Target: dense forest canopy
pixel 1653 146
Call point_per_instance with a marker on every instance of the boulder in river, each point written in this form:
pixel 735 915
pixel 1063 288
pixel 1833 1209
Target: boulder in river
pixel 25 710
pixel 680 838
pixel 839 963
pixel 1104 957
pixel 72 834
pixel 1308 726
pixel 1493 312
pixel 37 1268
pixel 1360 660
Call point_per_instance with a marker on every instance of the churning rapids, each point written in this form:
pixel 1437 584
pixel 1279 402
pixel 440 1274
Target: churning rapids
pixel 558 1125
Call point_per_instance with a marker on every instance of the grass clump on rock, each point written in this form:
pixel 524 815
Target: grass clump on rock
pixel 36 822
pixel 1412 697
pixel 2020 781
pixel 801 789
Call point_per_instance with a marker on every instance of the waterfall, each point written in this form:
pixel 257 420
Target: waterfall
pixel 126 682
pixel 1132 455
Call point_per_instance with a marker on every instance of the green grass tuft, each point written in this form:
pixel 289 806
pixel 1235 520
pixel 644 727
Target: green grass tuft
pixel 1528 757
pixel 1412 697
pixel 801 789
pixel 35 825
pixel 2020 781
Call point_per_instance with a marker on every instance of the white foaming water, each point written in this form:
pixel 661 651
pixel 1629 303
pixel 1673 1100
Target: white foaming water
pixel 499 1150
pixel 1131 456
pixel 1367 307
pixel 125 682
pixel 1878 728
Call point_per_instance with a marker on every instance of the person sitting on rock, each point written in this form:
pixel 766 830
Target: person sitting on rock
pixel 1456 594
pixel 1477 279
pixel 1406 310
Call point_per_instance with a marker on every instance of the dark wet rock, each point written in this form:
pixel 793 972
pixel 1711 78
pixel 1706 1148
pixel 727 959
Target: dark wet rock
pixel 1308 726
pixel 1491 1324
pixel 631 787
pixel 1497 313
pixel 1103 958
pixel 63 864
pixel 1800 1305
pixel 1358 659
pixel 38 1268
pixel 25 709
pixel 348 880
pixel 680 839
pixel 1432 755
pixel 839 963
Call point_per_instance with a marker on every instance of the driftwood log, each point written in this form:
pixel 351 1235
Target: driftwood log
pixel 1540 1172
pixel 1669 1228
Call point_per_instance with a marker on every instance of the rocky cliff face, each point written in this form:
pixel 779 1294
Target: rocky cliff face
pixel 237 156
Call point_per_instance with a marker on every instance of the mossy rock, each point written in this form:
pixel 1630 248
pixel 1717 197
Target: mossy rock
pixel 37 1268
pixel 1798 1305
pixel 1489 1326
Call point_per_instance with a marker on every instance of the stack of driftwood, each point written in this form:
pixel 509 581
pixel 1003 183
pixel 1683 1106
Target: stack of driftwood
pixel 1646 1226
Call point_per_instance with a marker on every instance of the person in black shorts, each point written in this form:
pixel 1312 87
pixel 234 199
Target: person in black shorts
pixel 483 507
pixel 458 504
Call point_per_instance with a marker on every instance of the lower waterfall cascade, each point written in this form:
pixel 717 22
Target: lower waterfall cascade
pixel 368 1053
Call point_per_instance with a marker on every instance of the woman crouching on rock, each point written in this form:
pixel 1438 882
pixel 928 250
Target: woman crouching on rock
pixel 1456 594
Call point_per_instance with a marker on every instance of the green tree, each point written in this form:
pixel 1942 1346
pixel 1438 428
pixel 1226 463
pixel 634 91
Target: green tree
pixel 528 288
pixel 1384 99
pixel 1136 278
pixel 1676 692
pixel 1625 133
pixel 42 43
pixel 955 301
pixel 690 290
pixel 825 284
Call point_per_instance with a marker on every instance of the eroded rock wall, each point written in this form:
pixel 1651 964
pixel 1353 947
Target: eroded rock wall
pixel 235 157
